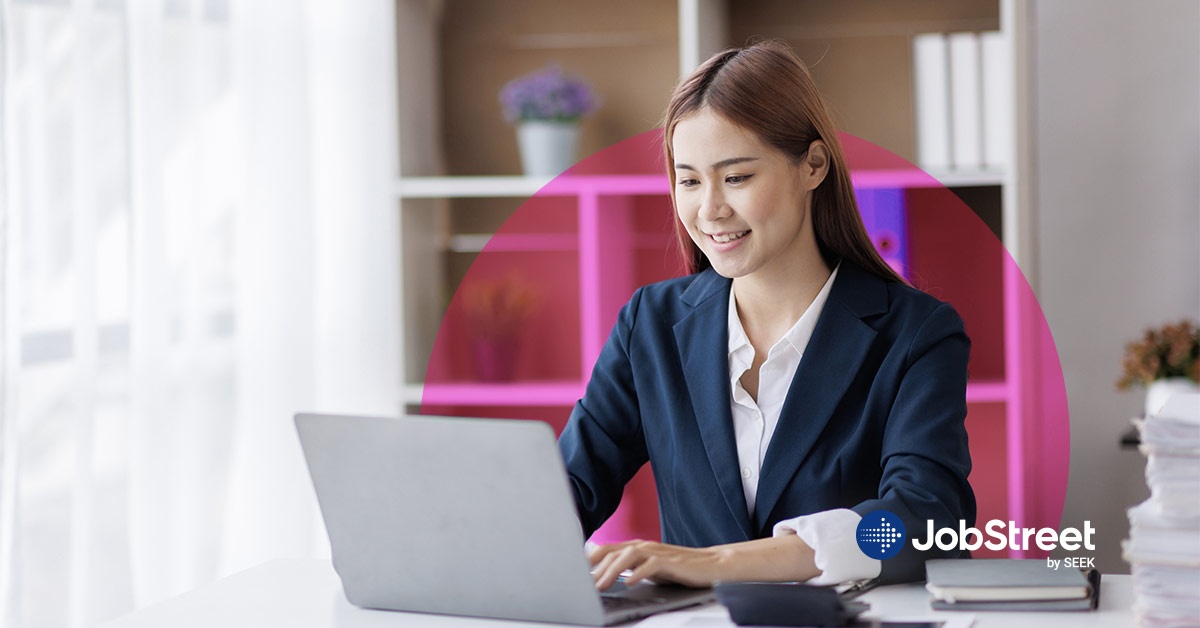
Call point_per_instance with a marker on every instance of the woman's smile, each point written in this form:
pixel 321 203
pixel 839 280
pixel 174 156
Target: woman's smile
pixel 723 238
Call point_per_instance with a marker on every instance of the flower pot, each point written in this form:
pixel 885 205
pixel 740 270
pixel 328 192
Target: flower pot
pixel 1160 390
pixel 547 147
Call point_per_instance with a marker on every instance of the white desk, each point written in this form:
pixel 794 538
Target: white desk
pixel 308 594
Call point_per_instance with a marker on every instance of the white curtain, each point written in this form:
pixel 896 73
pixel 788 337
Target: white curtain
pixel 199 239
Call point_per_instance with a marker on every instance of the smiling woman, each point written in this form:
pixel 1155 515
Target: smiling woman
pixel 790 384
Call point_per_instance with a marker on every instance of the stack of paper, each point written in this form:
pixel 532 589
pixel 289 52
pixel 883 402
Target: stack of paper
pixel 1164 535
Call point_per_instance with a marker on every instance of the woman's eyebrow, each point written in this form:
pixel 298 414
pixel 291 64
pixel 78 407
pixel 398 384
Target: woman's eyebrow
pixel 720 164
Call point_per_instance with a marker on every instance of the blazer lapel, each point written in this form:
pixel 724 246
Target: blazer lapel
pixel 838 346
pixel 701 338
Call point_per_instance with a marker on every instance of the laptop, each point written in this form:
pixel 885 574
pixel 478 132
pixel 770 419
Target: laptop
pixel 461 517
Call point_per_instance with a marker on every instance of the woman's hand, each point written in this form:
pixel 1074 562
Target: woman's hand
pixel 647 560
pixel 777 559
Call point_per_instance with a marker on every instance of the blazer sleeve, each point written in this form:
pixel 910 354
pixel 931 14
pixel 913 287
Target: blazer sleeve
pixel 925 459
pixel 602 444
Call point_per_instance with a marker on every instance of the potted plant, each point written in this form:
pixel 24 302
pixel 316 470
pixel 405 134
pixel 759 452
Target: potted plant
pixel 497 311
pixel 546 106
pixel 1165 361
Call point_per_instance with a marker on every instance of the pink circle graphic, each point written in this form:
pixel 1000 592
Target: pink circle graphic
pixel 532 311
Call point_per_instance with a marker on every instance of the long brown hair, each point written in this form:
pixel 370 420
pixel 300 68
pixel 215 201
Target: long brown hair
pixel 766 89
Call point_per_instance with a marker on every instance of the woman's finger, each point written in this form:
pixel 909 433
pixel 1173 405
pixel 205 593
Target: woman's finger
pixel 647 569
pixel 600 568
pixel 598 553
pixel 613 565
pixel 628 558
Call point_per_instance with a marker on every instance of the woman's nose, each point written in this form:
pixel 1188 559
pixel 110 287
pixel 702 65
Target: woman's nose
pixel 713 206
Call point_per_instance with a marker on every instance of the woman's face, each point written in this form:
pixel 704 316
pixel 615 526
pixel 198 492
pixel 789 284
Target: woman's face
pixel 743 202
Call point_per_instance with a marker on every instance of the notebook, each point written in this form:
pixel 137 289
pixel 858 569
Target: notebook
pixel 1007 584
pixel 461 517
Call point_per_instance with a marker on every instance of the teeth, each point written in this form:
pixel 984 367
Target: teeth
pixel 729 237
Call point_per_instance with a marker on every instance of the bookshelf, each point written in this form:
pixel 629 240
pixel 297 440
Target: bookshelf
pixel 459 198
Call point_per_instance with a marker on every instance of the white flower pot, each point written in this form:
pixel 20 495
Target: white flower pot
pixel 547 147
pixel 1160 390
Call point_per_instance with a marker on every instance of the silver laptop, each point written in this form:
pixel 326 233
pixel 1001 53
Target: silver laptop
pixel 461 517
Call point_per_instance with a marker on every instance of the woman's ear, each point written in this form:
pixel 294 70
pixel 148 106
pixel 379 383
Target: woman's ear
pixel 815 165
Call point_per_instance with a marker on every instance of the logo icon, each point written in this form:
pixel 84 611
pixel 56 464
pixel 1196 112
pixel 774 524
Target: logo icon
pixel 881 535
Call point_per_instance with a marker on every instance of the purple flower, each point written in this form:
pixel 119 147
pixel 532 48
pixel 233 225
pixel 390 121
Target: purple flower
pixel 547 94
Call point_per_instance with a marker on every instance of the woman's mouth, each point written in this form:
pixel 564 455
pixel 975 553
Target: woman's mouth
pixel 724 238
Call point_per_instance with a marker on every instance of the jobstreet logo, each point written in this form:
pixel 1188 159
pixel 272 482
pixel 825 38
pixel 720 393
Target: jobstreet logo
pixel 1003 535
pixel 880 535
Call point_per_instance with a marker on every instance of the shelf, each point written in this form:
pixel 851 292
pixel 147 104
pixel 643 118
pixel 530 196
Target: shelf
pixel 475 242
pixel 469 187
pixel 567 392
pixel 534 393
pixel 967 178
pixel 634 184
pixel 525 242
pixel 518 186
pixel 916 178
pixel 988 391
pixel 575 224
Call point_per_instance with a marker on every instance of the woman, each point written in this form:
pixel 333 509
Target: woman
pixel 793 382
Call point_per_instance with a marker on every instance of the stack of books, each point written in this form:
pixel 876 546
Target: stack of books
pixel 1164 536
pixel 1009 585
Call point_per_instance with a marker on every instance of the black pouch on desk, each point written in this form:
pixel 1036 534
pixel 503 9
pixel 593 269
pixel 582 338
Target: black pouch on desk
pixel 776 604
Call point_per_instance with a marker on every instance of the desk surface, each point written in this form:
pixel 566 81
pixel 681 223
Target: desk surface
pixel 306 593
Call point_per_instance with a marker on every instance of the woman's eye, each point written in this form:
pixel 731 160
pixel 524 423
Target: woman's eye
pixel 688 183
pixel 735 179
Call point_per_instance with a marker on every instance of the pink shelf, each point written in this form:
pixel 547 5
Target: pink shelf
pixel 567 392
pixel 988 391
pixel 522 187
pixel 525 242
pixel 515 242
pixel 545 393
pixel 635 184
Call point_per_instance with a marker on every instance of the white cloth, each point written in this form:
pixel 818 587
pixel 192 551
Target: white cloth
pixel 830 533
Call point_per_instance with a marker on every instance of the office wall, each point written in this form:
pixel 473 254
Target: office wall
pixel 1116 101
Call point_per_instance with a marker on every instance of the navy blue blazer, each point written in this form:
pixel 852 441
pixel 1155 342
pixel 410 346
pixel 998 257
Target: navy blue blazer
pixel 873 419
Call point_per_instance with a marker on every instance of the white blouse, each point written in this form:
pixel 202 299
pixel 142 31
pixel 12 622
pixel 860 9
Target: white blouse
pixel 830 533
